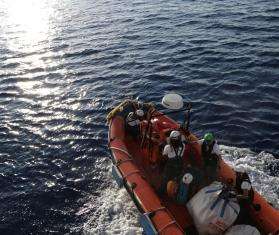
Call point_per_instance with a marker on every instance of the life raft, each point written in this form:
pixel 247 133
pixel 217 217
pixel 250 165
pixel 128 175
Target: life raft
pixel 133 168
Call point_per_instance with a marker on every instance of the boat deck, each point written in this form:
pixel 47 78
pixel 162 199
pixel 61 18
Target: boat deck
pixel 153 175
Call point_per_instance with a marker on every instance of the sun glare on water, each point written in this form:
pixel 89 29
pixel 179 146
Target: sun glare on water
pixel 26 23
pixel 27 29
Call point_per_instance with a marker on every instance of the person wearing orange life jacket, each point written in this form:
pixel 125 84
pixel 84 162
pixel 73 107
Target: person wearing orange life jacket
pixel 174 152
pixel 210 155
pixel 133 120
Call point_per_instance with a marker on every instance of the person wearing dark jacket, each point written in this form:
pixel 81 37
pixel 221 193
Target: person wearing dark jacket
pixel 210 155
pixel 133 120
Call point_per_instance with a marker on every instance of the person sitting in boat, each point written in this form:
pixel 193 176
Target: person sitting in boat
pixel 243 186
pixel 190 156
pixel 179 191
pixel 133 120
pixel 173 152
pixel 190 183
pixel 210 155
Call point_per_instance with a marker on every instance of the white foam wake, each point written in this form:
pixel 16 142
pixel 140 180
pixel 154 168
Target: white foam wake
pixel 114 212
pixel 255 165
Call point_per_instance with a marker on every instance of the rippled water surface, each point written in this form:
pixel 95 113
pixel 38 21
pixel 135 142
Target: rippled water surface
pixel 64 64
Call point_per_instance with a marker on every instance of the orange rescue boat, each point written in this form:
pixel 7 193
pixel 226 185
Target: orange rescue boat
pixel 134 167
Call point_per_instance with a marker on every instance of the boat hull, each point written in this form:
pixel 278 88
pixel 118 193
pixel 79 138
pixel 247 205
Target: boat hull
pixel 160 214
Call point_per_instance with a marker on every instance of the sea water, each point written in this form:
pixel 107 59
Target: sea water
pixel 65 64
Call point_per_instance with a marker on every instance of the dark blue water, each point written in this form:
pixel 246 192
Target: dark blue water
pixel 64 64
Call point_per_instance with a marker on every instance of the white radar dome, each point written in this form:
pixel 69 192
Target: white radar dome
pixel 172 101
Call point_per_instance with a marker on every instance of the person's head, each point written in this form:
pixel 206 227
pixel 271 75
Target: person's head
pixel 245 185
pixel 187 178
pixel 140 113
pixel 208 138
pixel 175 138
pixel 241 172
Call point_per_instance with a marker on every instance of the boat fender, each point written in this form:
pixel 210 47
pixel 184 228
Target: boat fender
pixel 117 176
pixel 147 225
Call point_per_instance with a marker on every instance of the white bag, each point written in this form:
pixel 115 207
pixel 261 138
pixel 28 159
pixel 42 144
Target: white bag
pixel 212 214
pixel 242 229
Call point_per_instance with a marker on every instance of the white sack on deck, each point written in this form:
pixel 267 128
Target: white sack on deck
pixel 242 229
pixel 212 218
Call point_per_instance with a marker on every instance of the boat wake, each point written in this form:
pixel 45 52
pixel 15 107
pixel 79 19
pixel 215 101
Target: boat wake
pixel 260 167
pixel 115 213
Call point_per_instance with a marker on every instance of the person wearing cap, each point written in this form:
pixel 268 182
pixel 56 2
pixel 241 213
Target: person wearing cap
pixel 245 194
pixel 188 185
pixel 176 147
pixel 243 185
pixel 173 152
pixel 133 120
pixel 210 155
